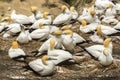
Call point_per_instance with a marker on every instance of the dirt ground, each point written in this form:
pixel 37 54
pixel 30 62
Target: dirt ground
pixel 87 69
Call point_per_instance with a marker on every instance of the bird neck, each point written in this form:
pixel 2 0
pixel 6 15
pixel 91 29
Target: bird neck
pixel 110 45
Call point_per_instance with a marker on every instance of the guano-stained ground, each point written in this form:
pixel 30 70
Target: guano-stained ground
pixel 87 69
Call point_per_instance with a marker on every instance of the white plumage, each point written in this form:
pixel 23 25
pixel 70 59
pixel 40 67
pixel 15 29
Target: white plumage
pixel 88 28
pixel 19 18
pixel 42 66
pixel 60 55
pixel 24 37
pixel 40 34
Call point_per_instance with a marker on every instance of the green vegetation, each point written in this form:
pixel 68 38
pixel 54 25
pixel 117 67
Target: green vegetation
pixel 70 2
pixel 77 3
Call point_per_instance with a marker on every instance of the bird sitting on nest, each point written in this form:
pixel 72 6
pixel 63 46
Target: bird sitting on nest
pixel 43 66
pixel 15 52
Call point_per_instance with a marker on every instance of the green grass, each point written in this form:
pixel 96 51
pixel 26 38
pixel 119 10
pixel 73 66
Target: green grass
pixel 70 2
pixel 73 2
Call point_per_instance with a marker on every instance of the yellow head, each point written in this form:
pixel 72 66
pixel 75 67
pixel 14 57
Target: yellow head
pixel 63 7
pixel 8 19
pixel 84 23
pixel 92 12
pixel 69 32
pixel 99 31
pixel 45 14
pixel 105 51
pixel 72 8
pixel 106 42
pixel 14 45
pixel 52 44
pixel 44 59
pixel 65 28
pixel 41 25
pixel 109 6
pixel 57 33
pixel 33 9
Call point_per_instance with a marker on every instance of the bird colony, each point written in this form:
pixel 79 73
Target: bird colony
pixel 58 38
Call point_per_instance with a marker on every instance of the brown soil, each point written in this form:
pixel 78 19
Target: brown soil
pixel 87 69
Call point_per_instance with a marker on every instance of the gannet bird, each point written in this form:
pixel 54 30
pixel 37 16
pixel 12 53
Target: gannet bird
pixel 15 52
pixel 96 50
pixel 76 37
pixel 98 36
pixel 89 16
pixel 32 18
pixel 24 36
pixel 12 29
pixel 64 17
pixel 109 20
pixel 52 29
pixel 42 33
pixel 102 4
pixel 43 66
pixel 117 26
pixel 110 11
pixel 117 8
pixel 87 28
pixel 68 41
pixel 108 30
pixel 37 14
pixel 45 20
pixel 19 18
pixel 61 55
pixel 105 58
pixel 4 23
pixel 85 11
pixel 45 46
pixel 73 12
pixel 99 11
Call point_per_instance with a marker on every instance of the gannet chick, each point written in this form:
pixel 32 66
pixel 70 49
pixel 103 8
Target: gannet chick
pixel 15 52
pixel 43 66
